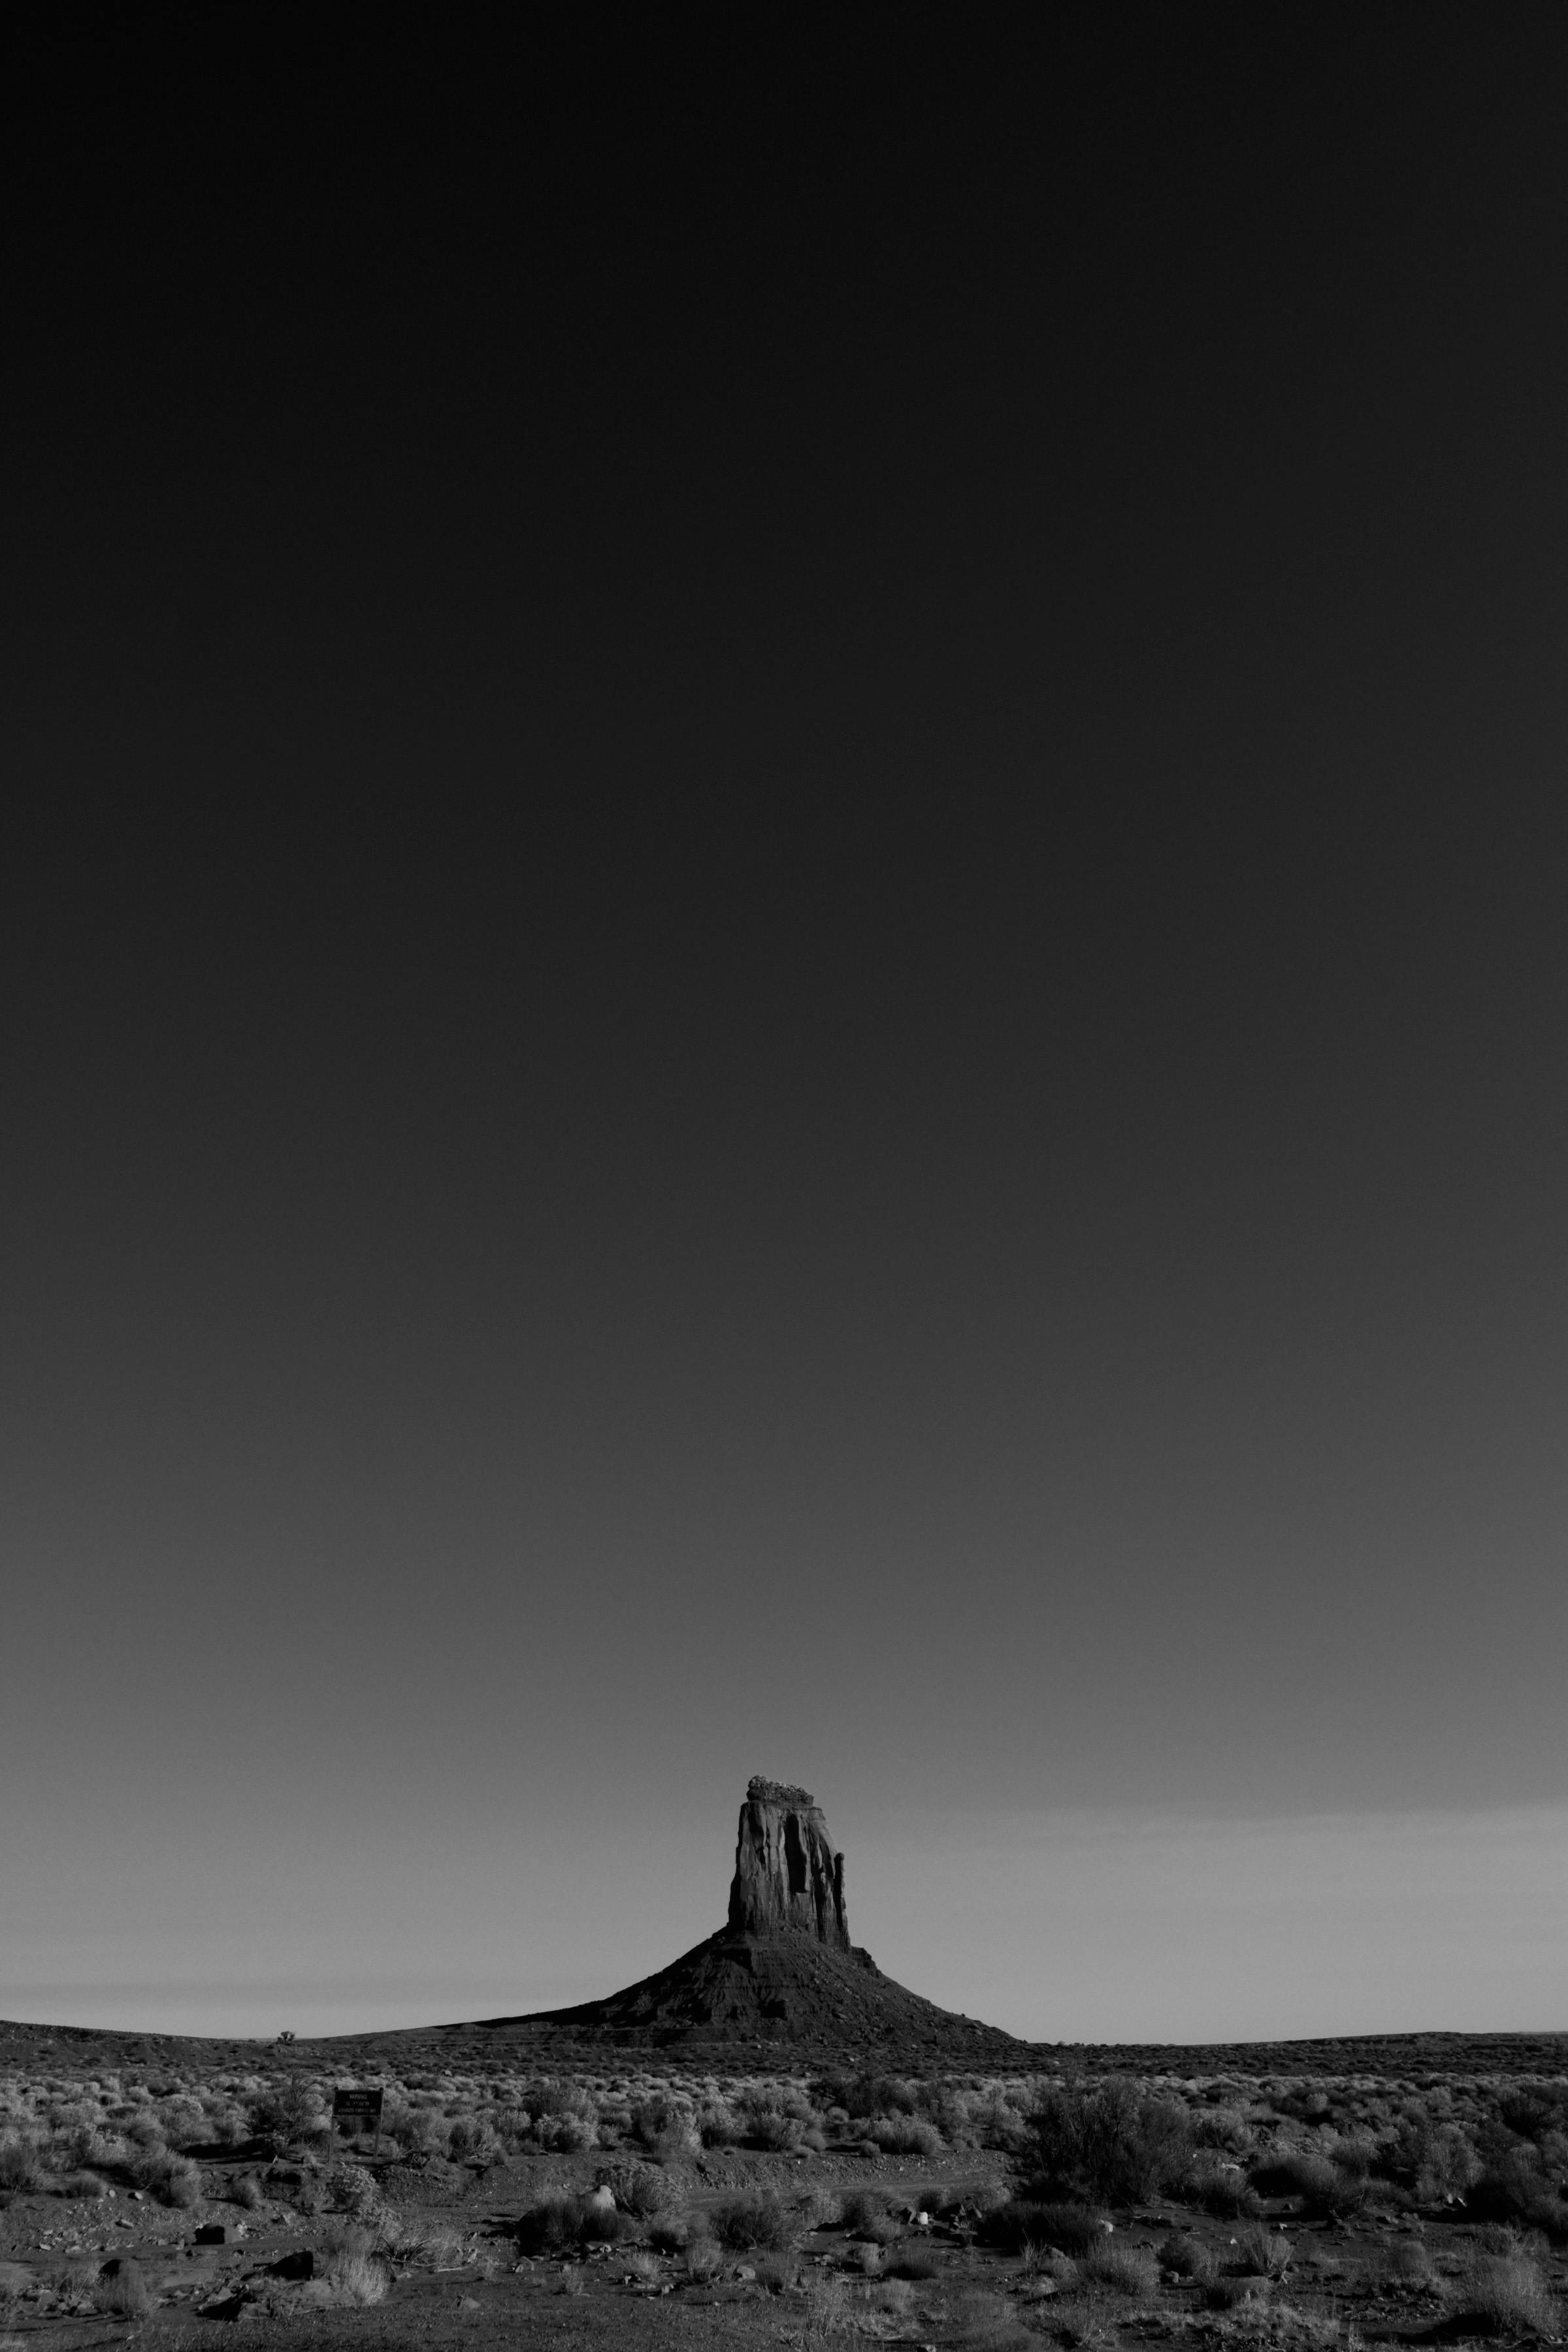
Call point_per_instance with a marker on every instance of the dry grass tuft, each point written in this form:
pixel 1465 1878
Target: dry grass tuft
pixel 1119 2269
pixel 358 2276
pixel 1502 2292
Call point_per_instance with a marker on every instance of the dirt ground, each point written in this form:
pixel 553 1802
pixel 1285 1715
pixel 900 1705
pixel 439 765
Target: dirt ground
pixel 403 2246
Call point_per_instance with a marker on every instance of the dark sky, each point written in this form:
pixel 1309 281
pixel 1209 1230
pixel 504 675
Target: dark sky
pixel 784 984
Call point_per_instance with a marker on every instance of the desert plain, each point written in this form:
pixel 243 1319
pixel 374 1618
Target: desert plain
pixel 770 2143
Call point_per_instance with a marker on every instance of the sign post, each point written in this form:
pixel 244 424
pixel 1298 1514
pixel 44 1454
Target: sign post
pixel 359 2107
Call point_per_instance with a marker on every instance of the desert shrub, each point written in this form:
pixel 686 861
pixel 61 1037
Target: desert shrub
pixel 716 2123
pixel 1330 2187
pixel 861 2208
pixel 247 2191
pixel 79 2148
pixel 361 2279
pixel 863 2094
pixel 1109 2144
pixel 557 2222
pixel 70 2281
pixel 905 2136
pixel 424 2129
pixel 1190 2258
pixel 1292 2172
pixel 566 2134
pixel 184 2120
pixel 639 2189
pixel 287 2115
pixel 660 2125
pixel 1225 2128
pixel 754 2218
pixel 775 2130
pixel 1505 2187
pixel 1448 2165
pixel 222 2123
pixel 342 2235
pixel 1260 2253
pixel 349 2189
pixel 20 2171
pixel 668 2234
pixel 1433 2159
pixel 122 2289
pixel 305 2195
pixel 761 2107
pixel 1407 2260
pixel 982 2321
pixel 405 2239
pixel 1501 2238
pixel 472 2136
pixel 990 2122
pixel 549 2226
pixel 1021 2221
pixel 1347 2193
pixel 1123 2270
pixel 913 2263
pixel 565 2119
pixel 1548 2214
pixel 777 2271
pixel 703 2259
pixel 1231 2293
pixel 173 2179
pixel 1532 2109
pixel 1310 2104
pixel 1505 2291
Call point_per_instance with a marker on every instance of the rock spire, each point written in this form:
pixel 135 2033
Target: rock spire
pixel 789 1878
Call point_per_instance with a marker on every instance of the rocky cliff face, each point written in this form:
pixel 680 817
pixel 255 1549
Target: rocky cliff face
pixel 789 1879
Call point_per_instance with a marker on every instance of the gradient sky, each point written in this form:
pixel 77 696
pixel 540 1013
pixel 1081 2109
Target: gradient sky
pixel 784 989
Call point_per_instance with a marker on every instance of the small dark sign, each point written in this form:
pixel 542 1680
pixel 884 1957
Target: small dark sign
pixel 364 2106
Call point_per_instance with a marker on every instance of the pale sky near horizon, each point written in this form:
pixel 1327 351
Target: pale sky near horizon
pixel 1086 1926
pixel 783 987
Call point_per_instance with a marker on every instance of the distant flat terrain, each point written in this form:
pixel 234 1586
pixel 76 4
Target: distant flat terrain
pixel 572 2039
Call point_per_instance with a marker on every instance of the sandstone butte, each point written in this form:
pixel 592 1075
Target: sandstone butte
pixel 781 1984
pixel 782 1973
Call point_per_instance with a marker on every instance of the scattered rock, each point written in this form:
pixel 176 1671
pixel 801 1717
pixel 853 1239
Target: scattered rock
pixel 224 2306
